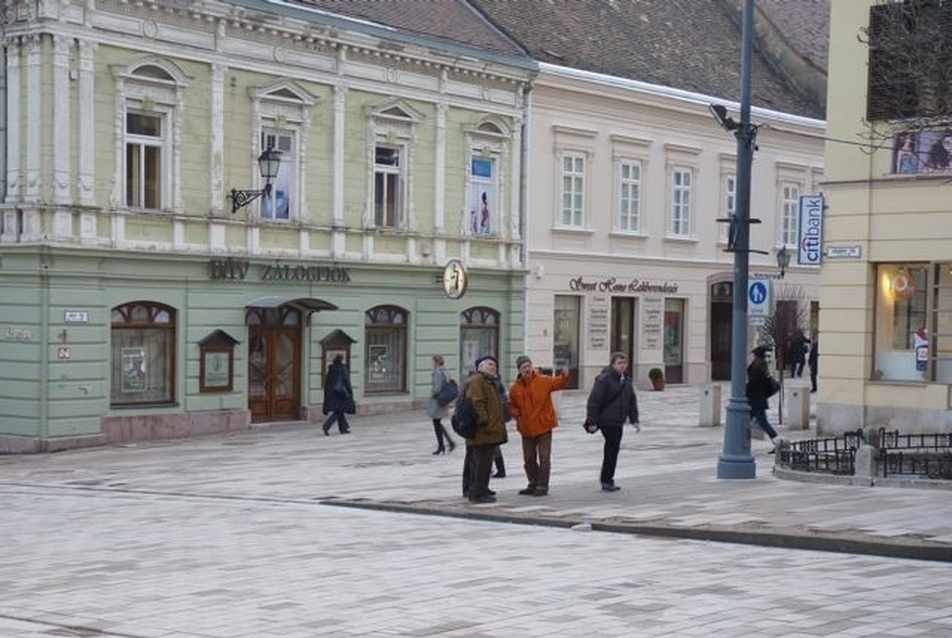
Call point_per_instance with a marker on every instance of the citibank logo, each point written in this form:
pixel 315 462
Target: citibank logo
pixel 810 230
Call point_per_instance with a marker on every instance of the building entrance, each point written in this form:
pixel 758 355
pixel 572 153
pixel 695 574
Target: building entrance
pixel 274 363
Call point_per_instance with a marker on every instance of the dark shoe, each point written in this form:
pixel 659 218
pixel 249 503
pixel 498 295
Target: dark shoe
pixel 347 431
pixel 491 492
pixel 326 433
pixel 539 492
pixel 452 446
pixel 485 498
pixel 610 487
pixel 499 475
pixel 529 491
pixel 439 451
pixel 773 450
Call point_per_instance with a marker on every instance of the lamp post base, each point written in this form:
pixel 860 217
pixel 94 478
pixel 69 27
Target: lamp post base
pixel 736 461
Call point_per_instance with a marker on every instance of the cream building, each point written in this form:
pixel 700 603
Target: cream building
pixel 886 327
pixel 627 182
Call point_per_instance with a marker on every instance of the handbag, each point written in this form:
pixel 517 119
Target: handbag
pixel 773 387
pixel 447 393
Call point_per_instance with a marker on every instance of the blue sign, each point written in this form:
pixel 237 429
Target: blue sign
pixel 758 298
pixel 758 293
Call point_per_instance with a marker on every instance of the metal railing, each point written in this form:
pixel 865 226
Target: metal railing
pixel 833 455
pixel 920 455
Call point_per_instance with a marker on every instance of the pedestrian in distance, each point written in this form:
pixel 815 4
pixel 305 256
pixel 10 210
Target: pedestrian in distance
pixel 498 460
pixel 760 387
pixel 611 402
pixel 813 360
pixel 437 412
pixel 798 353
pixel 338 396
pixel 481 389
pixel 530 402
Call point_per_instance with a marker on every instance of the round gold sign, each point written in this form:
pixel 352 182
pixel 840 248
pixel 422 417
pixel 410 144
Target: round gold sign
pixel 455 279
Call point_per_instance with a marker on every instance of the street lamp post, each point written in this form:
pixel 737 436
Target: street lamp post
pixel 783 260
pixel 736 461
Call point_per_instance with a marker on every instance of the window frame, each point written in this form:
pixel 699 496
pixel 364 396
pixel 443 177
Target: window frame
pixel 477 319
pixel 629 207
pixel 680 198
pixel 128 318
pixel 789 212
pixel 572 212
pixel 377 382
pixel 393 178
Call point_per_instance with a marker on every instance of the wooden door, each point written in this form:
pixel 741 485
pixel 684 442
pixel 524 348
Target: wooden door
pixel 274 372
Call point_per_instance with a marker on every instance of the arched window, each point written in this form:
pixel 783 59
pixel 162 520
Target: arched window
pixel 478 336
pixel 386 349
pixel 143 354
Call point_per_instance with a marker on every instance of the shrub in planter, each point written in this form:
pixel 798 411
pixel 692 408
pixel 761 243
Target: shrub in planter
pixel 657 378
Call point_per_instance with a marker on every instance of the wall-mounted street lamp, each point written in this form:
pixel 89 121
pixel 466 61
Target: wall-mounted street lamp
pixel 783 260
pixel 268 164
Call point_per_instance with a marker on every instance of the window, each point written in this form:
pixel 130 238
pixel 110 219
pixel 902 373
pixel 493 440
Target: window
pixel 482 196
pixel 630 196
pixel 910 60
pixel 681 202
pixel 926 151
pixel 386 350
pixel 901 321
pixel 143 354
pixel 730 206
pixel 478 336
pixel 149 93
pixel 789 213
pixel 144 143
pixel 388 187
pixel 573 185
pixel 277 205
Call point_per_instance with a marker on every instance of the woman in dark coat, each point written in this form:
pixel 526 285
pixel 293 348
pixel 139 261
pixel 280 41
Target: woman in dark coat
pixel 338 396
pixel 611 402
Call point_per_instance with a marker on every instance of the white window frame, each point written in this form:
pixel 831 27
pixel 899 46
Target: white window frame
pixel 630 195
pixel 135 187
pixel 282 195
pixel 572 190
pixel 154 87
pixel 789 204
pixel 488 140
pixel 729 205
pixel 393 179
pixel 483 198
pixel 392 125
pixel 681 183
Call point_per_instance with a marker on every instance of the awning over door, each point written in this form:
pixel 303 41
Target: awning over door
pixel 306 305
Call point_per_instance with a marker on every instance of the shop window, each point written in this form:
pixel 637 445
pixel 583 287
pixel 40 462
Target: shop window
pixel 902 326
pixel 386 350
pixel 478 336
pixel 565 332
pixel 143 354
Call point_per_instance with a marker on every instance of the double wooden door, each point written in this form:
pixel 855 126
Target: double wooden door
pixel 274 372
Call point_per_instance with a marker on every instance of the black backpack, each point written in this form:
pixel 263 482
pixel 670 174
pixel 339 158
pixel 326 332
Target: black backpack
pixel 464 419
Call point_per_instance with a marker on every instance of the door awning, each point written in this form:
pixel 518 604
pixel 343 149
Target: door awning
pixel 306 305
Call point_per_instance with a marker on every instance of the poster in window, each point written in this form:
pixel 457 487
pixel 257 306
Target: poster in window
pixel 133 370
pixel 379 362
pixel 482 197
pixel 217 368
pixel 922 152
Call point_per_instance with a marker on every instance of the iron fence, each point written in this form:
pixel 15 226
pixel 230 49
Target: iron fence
pixel 920 455
pixel 833 455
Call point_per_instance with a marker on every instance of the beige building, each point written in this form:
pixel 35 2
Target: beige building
pixel 886 327
pixel 627 182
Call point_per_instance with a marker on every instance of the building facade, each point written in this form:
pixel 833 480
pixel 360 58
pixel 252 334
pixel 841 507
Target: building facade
pixel 152 284
pixel 886 328
pixel 626 252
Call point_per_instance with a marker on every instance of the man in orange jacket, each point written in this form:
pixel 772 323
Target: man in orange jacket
pixel 530 404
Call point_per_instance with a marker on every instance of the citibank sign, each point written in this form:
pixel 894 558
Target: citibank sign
pixel 810 230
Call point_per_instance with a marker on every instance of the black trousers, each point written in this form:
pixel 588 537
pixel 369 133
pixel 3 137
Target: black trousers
pixel 612 434
pixel 477 467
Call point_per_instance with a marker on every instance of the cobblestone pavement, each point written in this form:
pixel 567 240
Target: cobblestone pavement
pixel 281 531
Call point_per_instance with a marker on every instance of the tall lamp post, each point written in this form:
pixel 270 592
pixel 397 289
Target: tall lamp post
pixel 736 461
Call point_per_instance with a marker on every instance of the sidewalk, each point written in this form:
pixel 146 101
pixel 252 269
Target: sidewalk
pixel 667 474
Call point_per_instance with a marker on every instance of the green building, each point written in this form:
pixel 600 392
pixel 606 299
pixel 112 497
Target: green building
pixel 157 280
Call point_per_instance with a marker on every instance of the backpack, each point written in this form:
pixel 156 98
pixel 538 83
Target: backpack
pixel 464 420
pixel 447 393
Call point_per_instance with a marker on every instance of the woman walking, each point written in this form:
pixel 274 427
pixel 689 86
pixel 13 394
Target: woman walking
pixel 436 411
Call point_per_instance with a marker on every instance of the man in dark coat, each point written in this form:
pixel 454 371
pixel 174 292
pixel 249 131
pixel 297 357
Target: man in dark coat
pixel 813 359
pixel 611 402
pixel 338 396
pixel 482 390
pixel 760 386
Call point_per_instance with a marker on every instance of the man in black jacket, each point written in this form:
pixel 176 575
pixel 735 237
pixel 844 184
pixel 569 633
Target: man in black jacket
pixel 611 402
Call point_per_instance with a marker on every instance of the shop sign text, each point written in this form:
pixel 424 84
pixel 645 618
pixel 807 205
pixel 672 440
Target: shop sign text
pixel 238 269
pixel 612 284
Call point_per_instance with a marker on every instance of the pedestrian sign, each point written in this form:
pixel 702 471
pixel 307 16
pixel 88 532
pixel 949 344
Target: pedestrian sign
pixel 758 298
